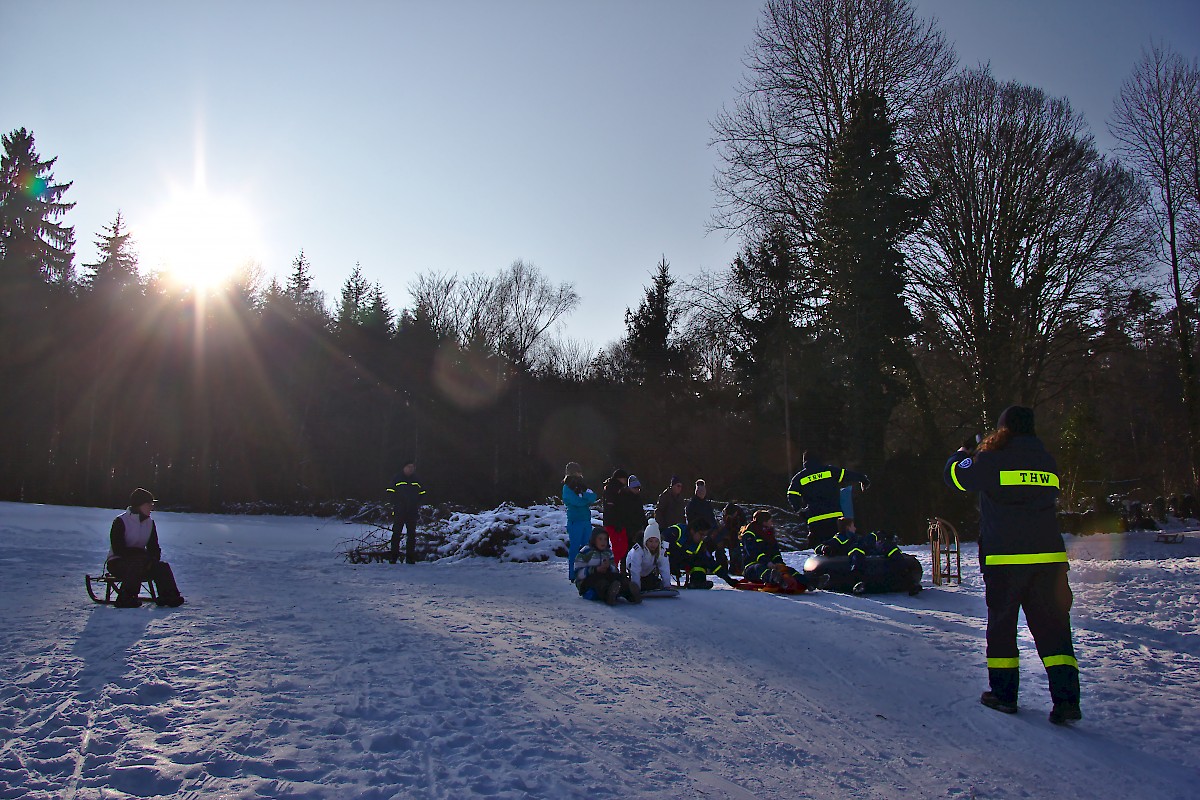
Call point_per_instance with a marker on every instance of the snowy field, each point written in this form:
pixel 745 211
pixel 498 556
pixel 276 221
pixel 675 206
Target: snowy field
pixel 291 674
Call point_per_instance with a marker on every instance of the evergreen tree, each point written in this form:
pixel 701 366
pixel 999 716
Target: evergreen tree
pixel 307 301
pixel 352 307
pixel 862 221
pixel 32 242
pixel 377 317
pixel 650 337
pixel 117 270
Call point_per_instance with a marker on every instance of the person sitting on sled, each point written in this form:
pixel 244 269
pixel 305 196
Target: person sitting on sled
pixel 135 555
pixel 649 567
pixel 698 560
pixel 763 563
pixel 596 572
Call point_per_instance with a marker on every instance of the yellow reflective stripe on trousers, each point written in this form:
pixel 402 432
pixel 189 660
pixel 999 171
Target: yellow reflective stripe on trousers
pixel 954 476
pixel 1060 661
pixel 793 491
pixel 834 515
pixel 1004 663
pixel 1025 558
pixel 1027 477
pixel 816 476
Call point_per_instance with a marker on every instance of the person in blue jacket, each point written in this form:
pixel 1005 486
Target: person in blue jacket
pixel 578 499
pixel 1023 559
pixel 815 493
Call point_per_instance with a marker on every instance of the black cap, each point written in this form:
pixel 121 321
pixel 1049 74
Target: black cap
pixel 140 496
pixel 1018 419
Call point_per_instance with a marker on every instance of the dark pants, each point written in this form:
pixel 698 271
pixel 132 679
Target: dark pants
pixel 765 573
pixel 822 530
pixel 726 539
pixel 600 581
pixel 1043 592
pixel 132 570
pixel 410 542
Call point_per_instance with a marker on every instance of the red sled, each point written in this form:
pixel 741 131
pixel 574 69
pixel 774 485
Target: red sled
pixel 752 586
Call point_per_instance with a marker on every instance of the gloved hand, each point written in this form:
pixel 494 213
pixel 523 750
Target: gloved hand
pixel 971 442
pixel 866 482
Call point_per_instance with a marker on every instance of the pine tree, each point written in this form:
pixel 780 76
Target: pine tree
pixel 32 242
pixel 863 220
pixel 117 270
pixel 650 338
pixel 307 301
pixel 353 304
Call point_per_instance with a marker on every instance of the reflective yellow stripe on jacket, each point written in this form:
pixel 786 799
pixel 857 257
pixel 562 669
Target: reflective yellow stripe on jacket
pixel 1004 559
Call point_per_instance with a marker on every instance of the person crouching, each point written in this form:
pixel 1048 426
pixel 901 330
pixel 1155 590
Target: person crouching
pixel 135 555
pixel 764 562
pixel 596 571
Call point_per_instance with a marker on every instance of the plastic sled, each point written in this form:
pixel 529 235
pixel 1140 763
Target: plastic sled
pixel 770 588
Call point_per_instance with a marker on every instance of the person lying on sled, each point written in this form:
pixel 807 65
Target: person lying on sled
pixel 649 567
pixel 858 546
pixel 763 563
pixel 596 572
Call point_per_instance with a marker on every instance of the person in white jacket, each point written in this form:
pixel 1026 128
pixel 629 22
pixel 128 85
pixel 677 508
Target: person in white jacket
pixel 649 567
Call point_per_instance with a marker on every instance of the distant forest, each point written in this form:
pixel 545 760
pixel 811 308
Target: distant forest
pixel 923 245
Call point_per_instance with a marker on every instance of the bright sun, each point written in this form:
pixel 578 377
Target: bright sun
pixel 200 239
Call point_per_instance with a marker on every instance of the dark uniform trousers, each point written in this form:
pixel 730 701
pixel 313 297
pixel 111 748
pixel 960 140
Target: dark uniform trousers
pixel 410 541
pixel 822 530
pixel 1043 592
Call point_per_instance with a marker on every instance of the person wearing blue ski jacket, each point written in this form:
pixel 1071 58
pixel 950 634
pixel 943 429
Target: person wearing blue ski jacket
pixel 578 499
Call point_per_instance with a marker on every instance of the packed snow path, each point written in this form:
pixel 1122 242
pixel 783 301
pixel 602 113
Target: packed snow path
pixel 290 674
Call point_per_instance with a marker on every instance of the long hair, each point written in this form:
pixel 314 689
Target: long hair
pixel 996 440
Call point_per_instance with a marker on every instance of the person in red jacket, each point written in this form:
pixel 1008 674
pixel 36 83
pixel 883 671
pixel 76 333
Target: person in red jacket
pixel 135 555
pixel 1023 559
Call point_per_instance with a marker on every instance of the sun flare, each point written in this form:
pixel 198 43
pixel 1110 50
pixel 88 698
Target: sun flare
pixel 198 239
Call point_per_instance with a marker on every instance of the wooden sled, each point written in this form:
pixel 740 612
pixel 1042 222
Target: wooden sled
pixel 1170 537
pixel 112 586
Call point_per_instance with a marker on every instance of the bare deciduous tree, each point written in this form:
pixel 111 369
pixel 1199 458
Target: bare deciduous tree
pixel 1155 120
pixel 809 58
pixel 1029 226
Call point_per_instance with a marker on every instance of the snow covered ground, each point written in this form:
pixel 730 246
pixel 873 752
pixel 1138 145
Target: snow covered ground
pixel 292 674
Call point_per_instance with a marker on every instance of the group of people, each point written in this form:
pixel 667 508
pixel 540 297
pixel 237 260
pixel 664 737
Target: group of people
pixel 1022 554
pixel 1021 550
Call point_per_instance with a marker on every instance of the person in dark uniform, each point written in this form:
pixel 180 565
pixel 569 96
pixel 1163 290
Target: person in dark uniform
pixel 1023 559
pixel 815 492
pixel 764 562
pixel 135 555
pixel 406 492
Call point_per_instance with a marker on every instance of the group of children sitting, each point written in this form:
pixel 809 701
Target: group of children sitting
pixel 682 549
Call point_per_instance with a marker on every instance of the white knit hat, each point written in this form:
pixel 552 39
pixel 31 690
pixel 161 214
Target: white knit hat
pixel 652 532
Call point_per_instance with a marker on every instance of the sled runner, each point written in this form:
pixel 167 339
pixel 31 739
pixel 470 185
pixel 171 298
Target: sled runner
pixel 112 585
pixel 878 574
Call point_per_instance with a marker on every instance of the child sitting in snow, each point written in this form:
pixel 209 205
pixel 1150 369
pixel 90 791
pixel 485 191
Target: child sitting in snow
pixel 649 567
pixel 596 572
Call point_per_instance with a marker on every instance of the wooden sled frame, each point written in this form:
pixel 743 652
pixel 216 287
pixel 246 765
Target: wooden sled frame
pixel 112 585
pixel 1170 537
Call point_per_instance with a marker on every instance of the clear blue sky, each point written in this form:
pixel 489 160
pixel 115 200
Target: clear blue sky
pixel 458 136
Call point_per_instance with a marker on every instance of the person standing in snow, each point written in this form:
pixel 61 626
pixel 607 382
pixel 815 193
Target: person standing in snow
pixel 134 555
pixel 578 499
pixel 814 491
pixel 1023 559
pixel 406 493
pixel 597 572
pixel 701 508
pixel 649 567
pixel 669 510
pixel 633 514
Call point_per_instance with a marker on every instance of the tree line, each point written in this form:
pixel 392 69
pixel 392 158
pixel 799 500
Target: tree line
pixel 922 245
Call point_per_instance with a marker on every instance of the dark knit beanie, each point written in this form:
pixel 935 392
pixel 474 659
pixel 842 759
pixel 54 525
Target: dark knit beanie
pixel 140 496
pixel 1017 419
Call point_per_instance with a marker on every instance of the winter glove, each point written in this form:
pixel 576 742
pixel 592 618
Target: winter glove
pixel 971 442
